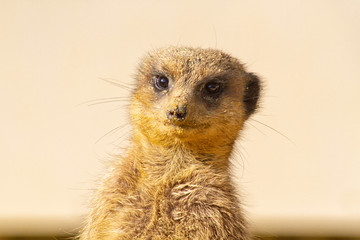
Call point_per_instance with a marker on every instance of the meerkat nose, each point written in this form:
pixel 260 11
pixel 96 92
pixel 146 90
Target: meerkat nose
pixel 177 113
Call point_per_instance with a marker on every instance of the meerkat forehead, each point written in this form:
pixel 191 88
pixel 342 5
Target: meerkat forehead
pixel 190 62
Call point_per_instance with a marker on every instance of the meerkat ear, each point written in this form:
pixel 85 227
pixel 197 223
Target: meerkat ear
pixel 252 93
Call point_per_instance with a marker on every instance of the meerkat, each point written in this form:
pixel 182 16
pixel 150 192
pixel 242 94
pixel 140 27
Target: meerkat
pixel 187 110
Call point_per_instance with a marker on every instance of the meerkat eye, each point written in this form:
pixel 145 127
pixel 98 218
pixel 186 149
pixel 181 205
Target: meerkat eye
pixel 212 87
pixel 161 82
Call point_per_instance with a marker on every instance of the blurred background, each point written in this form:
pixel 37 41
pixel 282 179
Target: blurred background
pixel 297 164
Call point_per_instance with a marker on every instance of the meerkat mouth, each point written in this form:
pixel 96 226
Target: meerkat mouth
pixel 178 125
pixel 187 126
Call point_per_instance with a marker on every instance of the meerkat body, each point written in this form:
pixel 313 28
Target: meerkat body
pixel 174 183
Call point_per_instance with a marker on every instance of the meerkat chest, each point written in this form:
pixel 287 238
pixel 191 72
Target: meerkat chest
pixel 165 208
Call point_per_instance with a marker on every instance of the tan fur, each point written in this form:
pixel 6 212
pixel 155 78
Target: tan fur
pixel 174 182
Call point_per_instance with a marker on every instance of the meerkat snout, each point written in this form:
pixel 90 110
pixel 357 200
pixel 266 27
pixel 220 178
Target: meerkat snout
pixel 178 113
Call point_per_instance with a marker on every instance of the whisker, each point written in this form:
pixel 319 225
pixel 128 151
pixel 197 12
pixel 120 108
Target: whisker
pixel 256 128
pixel 104 100
pixel 238 155
pixel 278 132
pixel 122 107
pixel 82 189
pixel 116 82
pixel 127 129
pixel 108 101
pixel 112 131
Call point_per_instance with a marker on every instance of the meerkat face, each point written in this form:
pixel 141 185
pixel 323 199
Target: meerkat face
pixel 192 94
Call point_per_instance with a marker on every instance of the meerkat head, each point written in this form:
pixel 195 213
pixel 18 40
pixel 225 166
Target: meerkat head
pixel 192 95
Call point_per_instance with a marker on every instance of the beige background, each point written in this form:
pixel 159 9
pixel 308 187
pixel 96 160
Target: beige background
pixel 53 54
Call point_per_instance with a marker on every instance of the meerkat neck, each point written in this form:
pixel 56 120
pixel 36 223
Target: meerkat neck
pixel 160 160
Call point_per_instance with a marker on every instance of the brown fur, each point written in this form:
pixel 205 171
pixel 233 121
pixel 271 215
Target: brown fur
pixel 174 181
